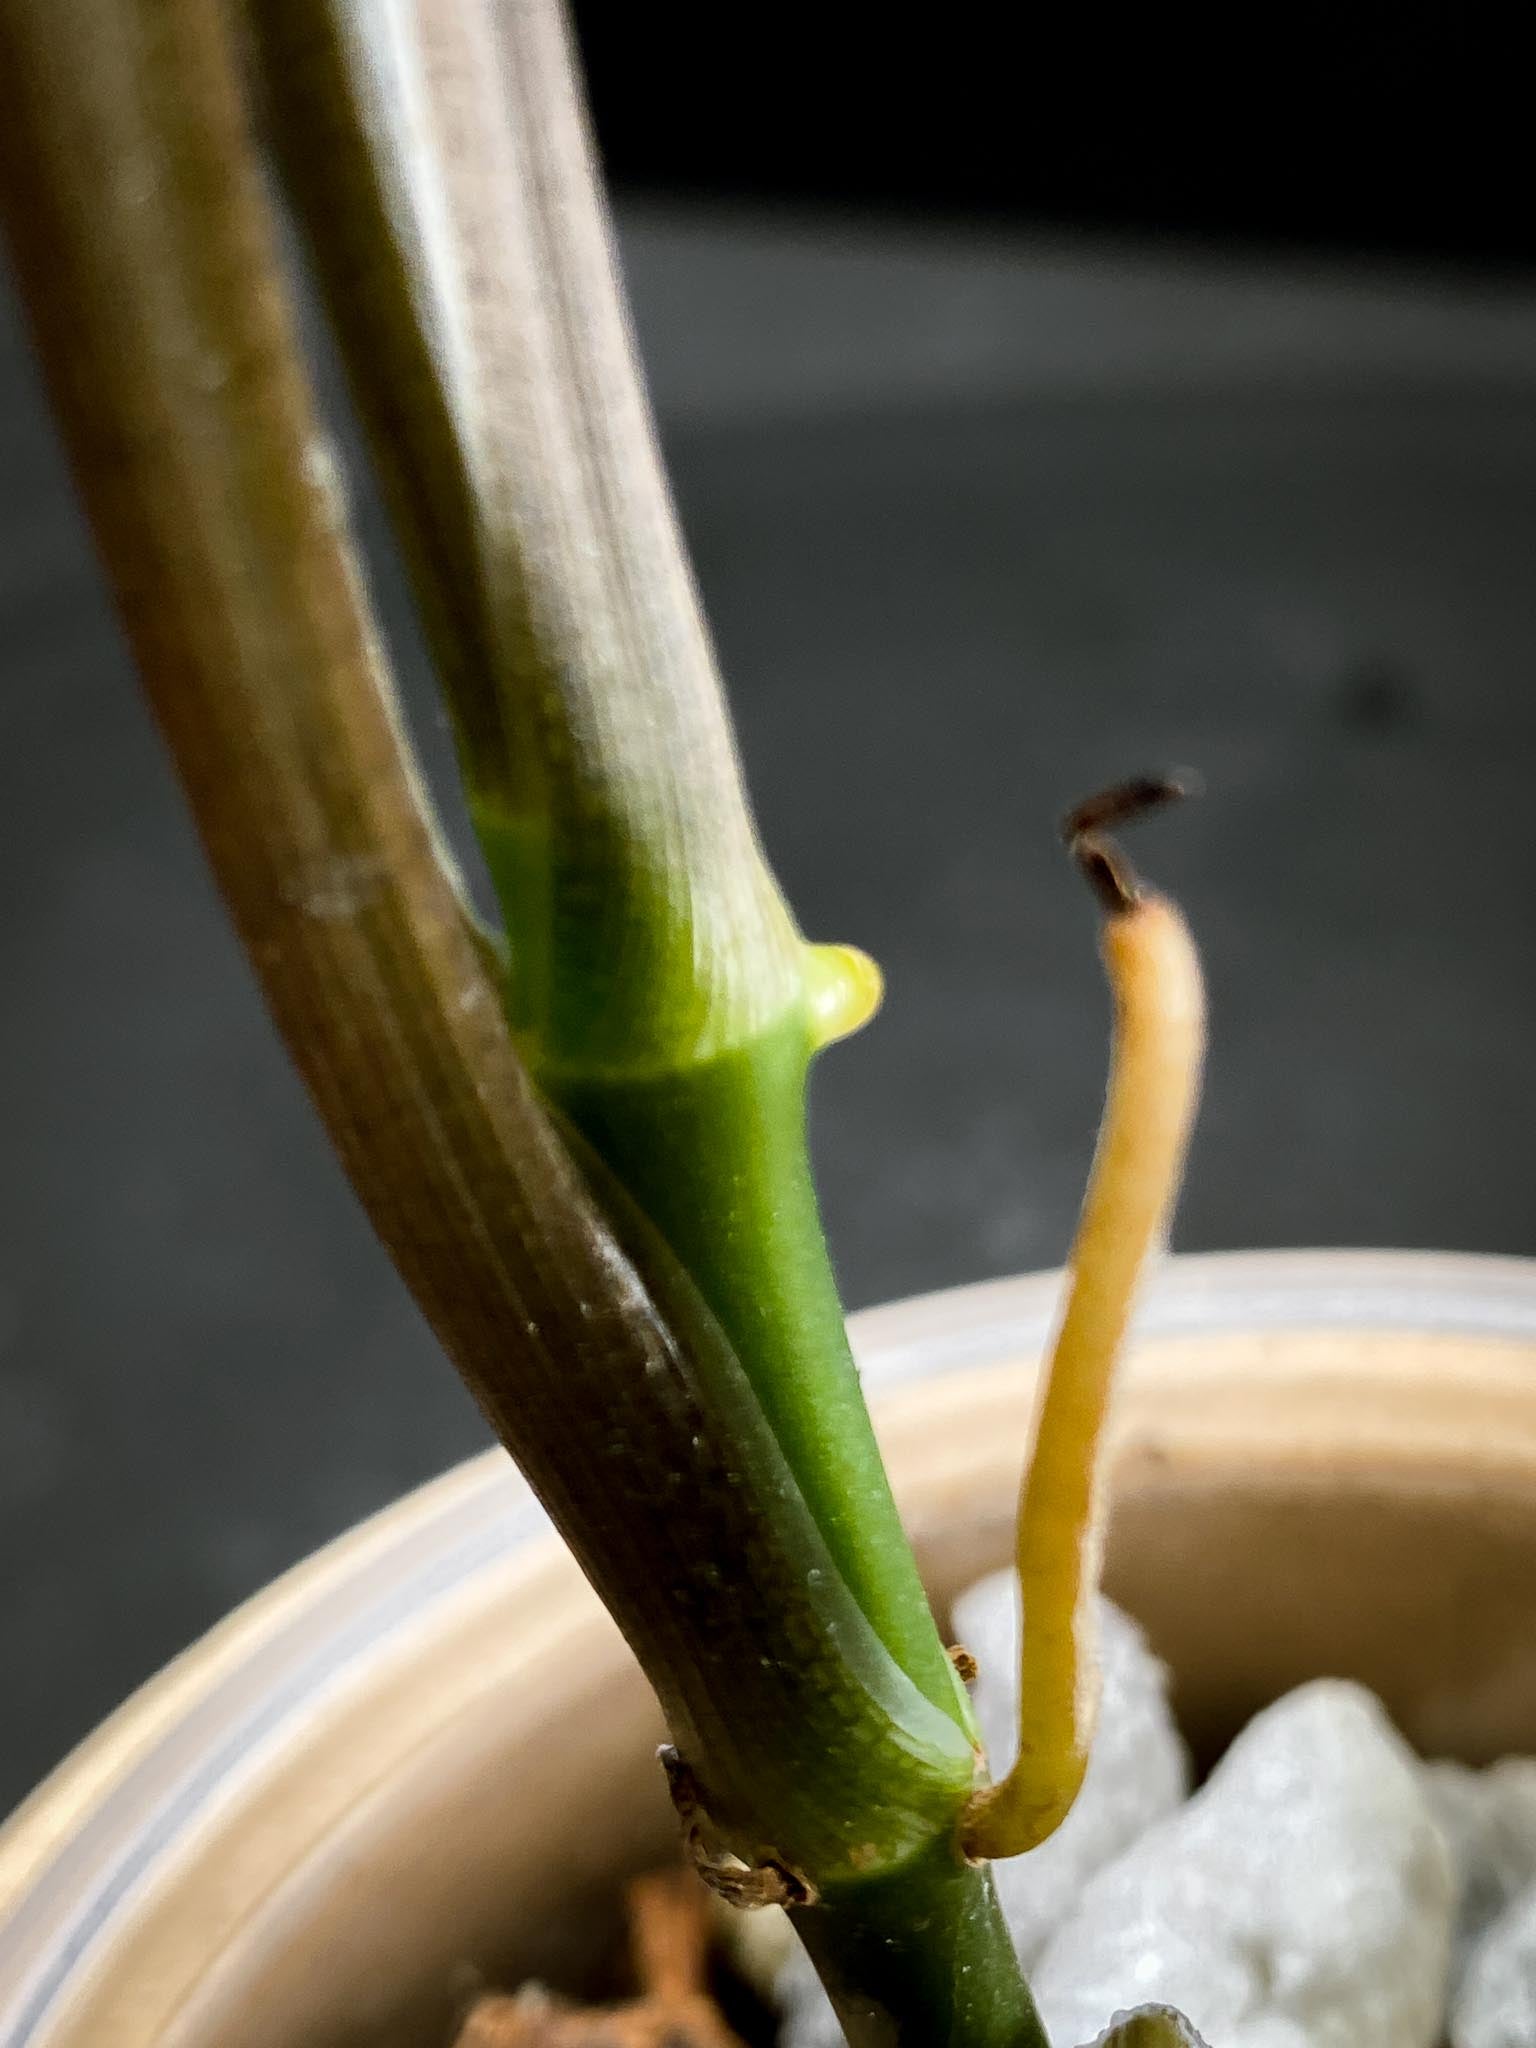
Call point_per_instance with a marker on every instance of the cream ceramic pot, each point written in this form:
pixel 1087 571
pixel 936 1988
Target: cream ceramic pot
pixel 421 1760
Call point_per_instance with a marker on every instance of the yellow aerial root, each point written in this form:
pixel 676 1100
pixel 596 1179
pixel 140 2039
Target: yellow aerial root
pixel 1154 1084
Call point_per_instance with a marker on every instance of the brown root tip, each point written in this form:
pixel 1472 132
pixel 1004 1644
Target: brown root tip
pixel 1108 874
pixel 1123 802
pixel 1085 827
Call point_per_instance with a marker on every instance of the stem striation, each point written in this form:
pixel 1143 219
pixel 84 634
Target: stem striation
pixel 146 246
pixel 143 238
pixel 658 989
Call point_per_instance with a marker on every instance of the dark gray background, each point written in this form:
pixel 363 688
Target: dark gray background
pixel 981 524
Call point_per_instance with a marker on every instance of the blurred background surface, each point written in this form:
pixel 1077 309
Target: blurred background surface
pixel 997 491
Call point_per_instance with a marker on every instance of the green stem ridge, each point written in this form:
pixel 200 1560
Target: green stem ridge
pixel 659 991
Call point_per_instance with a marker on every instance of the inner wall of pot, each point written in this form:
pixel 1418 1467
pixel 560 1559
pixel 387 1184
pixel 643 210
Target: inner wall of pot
pixel 1285 1508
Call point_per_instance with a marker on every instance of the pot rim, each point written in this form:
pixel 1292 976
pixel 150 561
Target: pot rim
pixel 75 1855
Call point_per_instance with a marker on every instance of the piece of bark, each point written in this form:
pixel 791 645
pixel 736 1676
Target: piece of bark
pixel 669 1938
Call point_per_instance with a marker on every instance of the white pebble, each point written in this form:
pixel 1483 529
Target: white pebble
pixel 806 2018
pixel 1302 1899
pixel 1488 1819
pixel 1494 2006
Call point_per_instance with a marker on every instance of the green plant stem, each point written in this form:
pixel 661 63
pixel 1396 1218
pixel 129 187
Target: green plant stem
pixel 147 253
pixel 719 1150
pixel 909 1960
pixel 658 991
